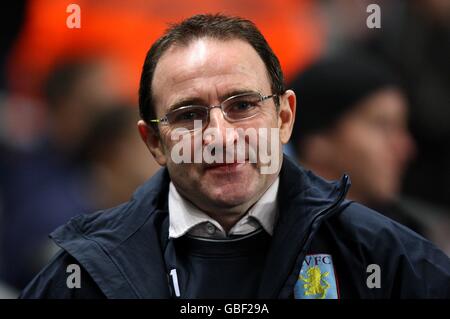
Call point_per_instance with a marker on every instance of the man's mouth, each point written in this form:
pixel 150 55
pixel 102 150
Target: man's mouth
pixel 225 166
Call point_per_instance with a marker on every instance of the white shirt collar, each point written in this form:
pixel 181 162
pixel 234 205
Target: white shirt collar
pixel 184 217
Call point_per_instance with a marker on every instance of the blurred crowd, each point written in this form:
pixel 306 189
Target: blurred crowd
pixel 68 137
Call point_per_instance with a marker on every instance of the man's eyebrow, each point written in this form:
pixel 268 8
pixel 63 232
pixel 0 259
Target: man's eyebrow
pixel 200 101
pixel 236 92
pixel 186 102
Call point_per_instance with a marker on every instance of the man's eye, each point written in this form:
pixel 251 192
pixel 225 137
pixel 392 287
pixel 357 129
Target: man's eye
pixel 241 106
pixel 188 116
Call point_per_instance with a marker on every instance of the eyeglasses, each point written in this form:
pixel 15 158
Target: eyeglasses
pixel 236 108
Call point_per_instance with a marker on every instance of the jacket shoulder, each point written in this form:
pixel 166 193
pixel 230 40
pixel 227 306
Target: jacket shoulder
pixel 110 227
pixel 62 278
pixel 376 230
pixel 411 266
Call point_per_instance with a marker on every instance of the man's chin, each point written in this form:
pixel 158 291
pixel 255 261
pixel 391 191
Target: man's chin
pixel 226 198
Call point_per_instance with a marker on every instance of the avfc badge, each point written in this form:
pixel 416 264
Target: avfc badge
pixel 317 279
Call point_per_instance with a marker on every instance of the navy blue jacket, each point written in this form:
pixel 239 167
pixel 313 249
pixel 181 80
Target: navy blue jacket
pixel 121 250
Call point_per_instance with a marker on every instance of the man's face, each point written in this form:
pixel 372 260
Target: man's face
pixel 372 143
pixel 206 72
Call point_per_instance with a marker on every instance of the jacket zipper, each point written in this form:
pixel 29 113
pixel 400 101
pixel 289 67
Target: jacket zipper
pixel 315 225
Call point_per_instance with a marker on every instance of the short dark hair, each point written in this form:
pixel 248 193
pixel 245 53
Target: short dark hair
pixel 216 26
pixel 333 86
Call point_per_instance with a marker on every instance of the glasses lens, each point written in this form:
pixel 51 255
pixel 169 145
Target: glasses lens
pixel 184 117
pixel 242 106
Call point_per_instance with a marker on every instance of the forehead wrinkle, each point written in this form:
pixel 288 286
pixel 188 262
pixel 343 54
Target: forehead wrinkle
pixel 215 74
pixel 210 93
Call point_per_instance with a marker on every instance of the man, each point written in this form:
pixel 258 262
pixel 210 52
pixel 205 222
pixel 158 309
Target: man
pixel 352 119
pixel 232 230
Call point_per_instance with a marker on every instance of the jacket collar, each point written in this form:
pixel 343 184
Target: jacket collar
pixel 305 201
pixel 122 248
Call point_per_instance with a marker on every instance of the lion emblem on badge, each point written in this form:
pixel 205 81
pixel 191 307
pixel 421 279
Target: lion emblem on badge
pixel 315 283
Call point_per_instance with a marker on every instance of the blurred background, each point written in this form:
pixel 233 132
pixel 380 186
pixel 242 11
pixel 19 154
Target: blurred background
pixel 68 108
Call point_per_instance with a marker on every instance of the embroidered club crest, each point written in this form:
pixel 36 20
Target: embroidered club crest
pixel 316 279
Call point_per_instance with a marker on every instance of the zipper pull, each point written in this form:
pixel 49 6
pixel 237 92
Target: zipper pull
pixel 176 287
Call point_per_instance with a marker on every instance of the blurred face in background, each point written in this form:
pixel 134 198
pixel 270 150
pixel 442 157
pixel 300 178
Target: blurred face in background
pixel 95 88
pixel 117 159
pixel 372 144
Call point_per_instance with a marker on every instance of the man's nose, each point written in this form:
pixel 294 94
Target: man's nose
pixel 219 124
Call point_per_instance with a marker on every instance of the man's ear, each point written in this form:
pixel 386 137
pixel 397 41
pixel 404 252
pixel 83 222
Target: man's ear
pixel 286 115
pixel 152 139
